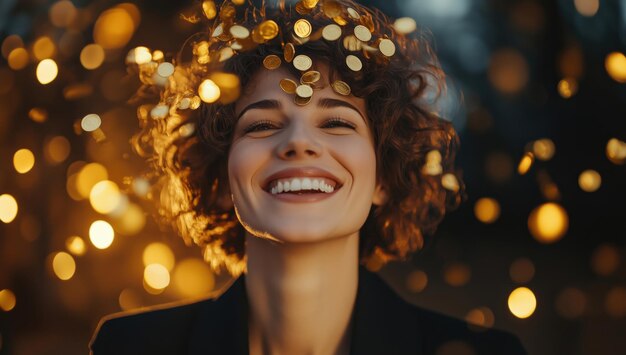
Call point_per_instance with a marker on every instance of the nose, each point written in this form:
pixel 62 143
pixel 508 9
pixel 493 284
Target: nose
pixel 299 142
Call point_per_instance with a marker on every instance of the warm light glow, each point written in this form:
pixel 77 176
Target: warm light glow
pixel 615 64
pixel 616 151
pixel 7 300
pixel 228 85
pixel 587 7
pixel 508 71
pixel 23 161
pixel 38 114
pixel 8 208
pixel 44 48
pixel 525 164
pixel 105 197
pixel 62 13
pixel 91 122
pixel 571 303
pixel 482 316
pixel 88 176
pixel 605 259
pixel 589 180
pixel 522 270
pixel 129 299
pixel 10 43
pixel 567 87
pixel 548 222
pixel 114 28
pixel 47 71
pixel 156 276
pixel 101 234
pixel 18 59
pixel 63 265
pixel 131 220
pixel 76 245
pixel 133 12
pixel 139 55
pixel 522 302
pixel 158 253
pixel 416 281
pixel 57 149
pixel 193 278
pixel 487 210
pixel 457 274
pixel 208 91
pixel 543 149
pixel 615 303
pixel 92 56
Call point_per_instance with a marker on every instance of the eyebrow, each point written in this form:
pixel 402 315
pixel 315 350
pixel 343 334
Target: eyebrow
pixel 322 103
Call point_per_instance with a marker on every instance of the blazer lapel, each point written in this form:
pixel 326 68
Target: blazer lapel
pixel 383 322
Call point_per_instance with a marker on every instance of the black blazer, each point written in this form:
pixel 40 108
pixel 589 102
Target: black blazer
pixel 383 324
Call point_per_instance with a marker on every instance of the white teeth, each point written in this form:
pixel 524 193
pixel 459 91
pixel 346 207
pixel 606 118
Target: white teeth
pixel 299 184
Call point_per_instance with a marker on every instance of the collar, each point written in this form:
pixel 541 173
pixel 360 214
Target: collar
pixel 383 323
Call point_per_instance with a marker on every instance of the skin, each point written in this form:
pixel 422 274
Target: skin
pixel 302 258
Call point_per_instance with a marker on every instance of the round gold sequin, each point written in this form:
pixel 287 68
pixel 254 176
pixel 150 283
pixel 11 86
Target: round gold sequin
pixel 387 47
pixel 272 62
pixel 209 9
pixel 256 36
pixel 239 31
pixel 303 62
pixel 352 43
pixel 309 4
pixel 362 33
pixel 331 32
pixel 341 87
pixel 331 8
pixel 340 20
pixel 218 31
pixel 310 77
pixel 304 90
pixel 289 52
pixel 405 25
pixel 226 53
pixel 353 14
pixel 354 63
pixel 268 29
pixel 302 28
pixel 289 86
pixel 301 9
pixel 301 101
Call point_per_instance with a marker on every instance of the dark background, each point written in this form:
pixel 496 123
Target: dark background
pixel 538 43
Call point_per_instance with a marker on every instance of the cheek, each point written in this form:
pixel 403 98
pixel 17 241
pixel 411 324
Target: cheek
pixel 359 157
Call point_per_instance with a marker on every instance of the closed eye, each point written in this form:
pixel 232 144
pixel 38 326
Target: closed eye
pixel 333 122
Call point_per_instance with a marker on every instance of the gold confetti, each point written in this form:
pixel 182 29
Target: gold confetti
pixel 332 8
pixel 238 31
pixel 256 36
pixel 352 43
pixel 289 52
pixel 304 91
pixel 340 20
pixel 362 33
pixel 353 14
pixel 331 32
pixel 309 4
pixel 165 69
pixel 208 7
pixel 302 28
pixel 226 53
pixel 301 9
pixel 218 31
pixel 354 63
pixel 341 87
pixel 303 62
pixel 450 182
pixel 228 12
pixel 268 30
pixel 301 101
pixel 272 62
pixel 299 41
pixel 289 86
pixel 310 77
pixel 386 47
pixel 405 25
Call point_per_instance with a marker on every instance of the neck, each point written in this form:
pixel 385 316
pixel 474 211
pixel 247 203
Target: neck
pixel 301 295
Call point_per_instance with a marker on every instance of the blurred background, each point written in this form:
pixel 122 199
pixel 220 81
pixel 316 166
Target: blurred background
pixel 536 90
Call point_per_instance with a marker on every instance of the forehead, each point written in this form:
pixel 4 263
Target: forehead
pixel 265 85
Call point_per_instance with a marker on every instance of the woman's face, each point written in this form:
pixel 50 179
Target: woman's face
pixel 323 146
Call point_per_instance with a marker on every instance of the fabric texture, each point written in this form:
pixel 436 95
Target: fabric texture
pixel 383 323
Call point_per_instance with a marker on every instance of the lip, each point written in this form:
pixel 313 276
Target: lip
pixel 302 172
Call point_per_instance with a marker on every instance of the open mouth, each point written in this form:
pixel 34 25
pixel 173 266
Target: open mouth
pixel 302 186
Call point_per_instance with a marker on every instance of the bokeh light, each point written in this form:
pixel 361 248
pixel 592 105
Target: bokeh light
pixel 129 299
pixel 156 276
pixel 18 59
pixel 416 281
pixel 158 253
pixel 7 300
pixel 589 180
pixel 90 122
pixel 57 149
pixel 508 71
pixel 487 210
pixel 23 160
pixel 44 48
pixel 10 43
pixel 101 234
pixel 457 274
pixel 130 220
pixel 208 91
pixel 47 71
pixel 615 64
pixel 587 7
pixel 62 13
pixel 543 149
pixel 522 270
pixel 481 316
pixel 567 87
pixel 548 222
pixel 615 302
pixel 38 114
pixel 605 259
pixel 192 278
pixel 76 245
pixel 571 303
pixel 88 176
pixel 105 197
pixel 525 163
pixel 522 302
pixel 92 56
pixel 114 28
pixel 63 265
pixel 8 208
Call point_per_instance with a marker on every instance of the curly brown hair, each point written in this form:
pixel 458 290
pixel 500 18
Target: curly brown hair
pixel 192 168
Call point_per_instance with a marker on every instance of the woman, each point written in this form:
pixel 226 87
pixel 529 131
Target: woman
pixel 314 150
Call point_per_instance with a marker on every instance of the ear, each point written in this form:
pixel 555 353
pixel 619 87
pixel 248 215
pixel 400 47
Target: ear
pixel 380 195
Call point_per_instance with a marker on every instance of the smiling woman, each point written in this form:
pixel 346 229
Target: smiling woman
pixel 314 151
